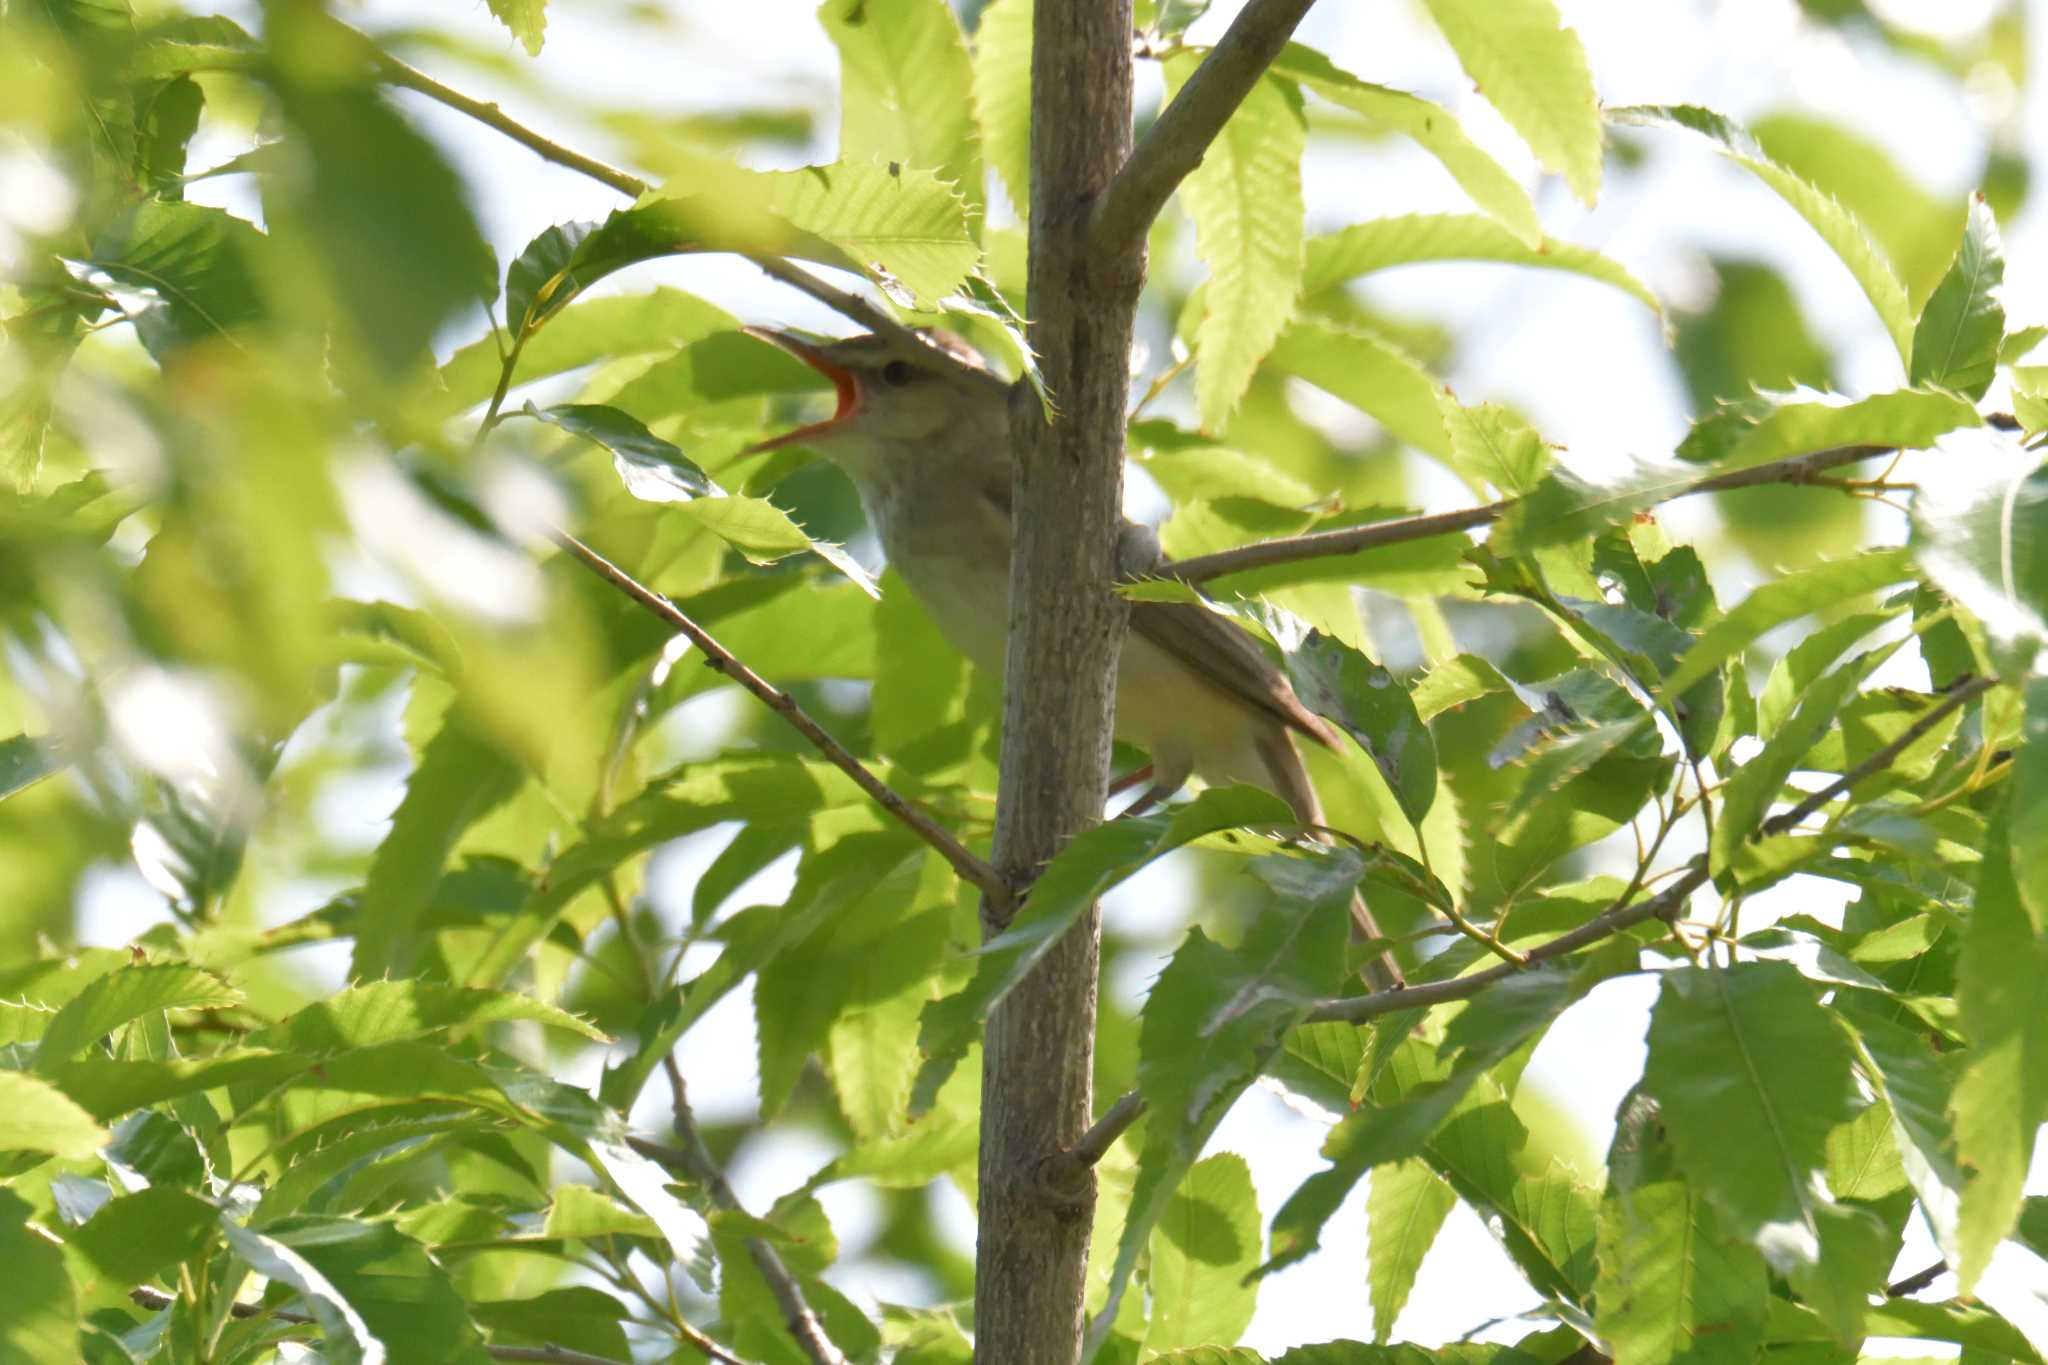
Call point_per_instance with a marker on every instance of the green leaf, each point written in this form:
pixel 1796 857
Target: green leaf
pixel 164 124
pixel 383 212
pixel 1002 95
pixel 2001 1098
pixel 136 1237
pixel 1749 795
pixel 647 1185
pixel 652 469
pixel 1404 1210
pixel 126 994
pixel 582 1213
pixel 1769 427
pixel 347 1338
pixel 377 1012
pixel 888 933
pixel 1421 238
pixel 1245 199
pixel 107 1088
pixel 1750 1075
pixel 36 1116
pixel 1818 589
pixel 197 266
pixel 585 332
pixel 2029 808
pixel 1956 341
pixel 1568 506
pixel 906 89
pixel 578 1318
pixel 1492 1026
pixel 1844 233
pixel 39 1311
pixel 543 278
pixel 1533 69
pixel 1916 1085
pixel 1371 375
pixel 526 20
pixel 1214 1022
pixel 1492 445
pixel 1205 1246
pixel 906 229
pixel 1980 534
pixel 1672 1287
pixel 406 1300
pixel 1340 684
pixel 460 778
pixel 25 761
pixel 1511 214
pixel 1078 875
pixel 763 534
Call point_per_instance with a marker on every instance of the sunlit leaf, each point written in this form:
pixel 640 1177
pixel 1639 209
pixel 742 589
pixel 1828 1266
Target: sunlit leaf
pixel 1422 238
pixel 39 1312
pixel 1750 1076
pixel 2001 1097
pixel 1768 427
pixel 1432 128
pixel 1533 69
pixel 126 994
pixel 1962 326
pixel 1088 866
pixel 906 88
pixel 1844 233
pixel 652 469
pixel 1246 201
pixel 36 1116
pixel 1404 1211
pixel 1002 94
pixel 1980 533
pixel 1202 1249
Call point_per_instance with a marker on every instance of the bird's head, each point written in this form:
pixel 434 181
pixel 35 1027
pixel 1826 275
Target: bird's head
pixel 897 400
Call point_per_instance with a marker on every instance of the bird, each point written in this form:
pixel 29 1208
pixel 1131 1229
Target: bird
pixel 921 427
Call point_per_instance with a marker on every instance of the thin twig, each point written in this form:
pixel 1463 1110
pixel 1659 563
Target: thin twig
pixel 395 72
pixel 1959 695
pixel 1665 904
pixel 970 868
pixel 1795 469
pixel 693 1160
pixel 1094 1144
pixel 1174 145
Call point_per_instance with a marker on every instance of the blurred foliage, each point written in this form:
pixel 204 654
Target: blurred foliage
pixel 296 675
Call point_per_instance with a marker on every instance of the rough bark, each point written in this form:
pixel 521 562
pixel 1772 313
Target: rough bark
pixel 1066 625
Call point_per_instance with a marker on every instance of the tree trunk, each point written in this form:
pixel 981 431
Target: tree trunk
pixel 1066 626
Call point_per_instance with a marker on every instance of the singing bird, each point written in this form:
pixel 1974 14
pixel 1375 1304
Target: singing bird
pixel 927 446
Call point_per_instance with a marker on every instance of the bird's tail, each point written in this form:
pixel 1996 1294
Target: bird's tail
pixel 1290 782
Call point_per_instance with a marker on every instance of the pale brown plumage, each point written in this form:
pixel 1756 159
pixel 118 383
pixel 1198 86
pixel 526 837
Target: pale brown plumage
pixel 927 446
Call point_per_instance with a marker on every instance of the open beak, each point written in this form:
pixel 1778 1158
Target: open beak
pixel 843 382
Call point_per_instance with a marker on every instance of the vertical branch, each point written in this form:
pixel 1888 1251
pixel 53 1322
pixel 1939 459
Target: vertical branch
pixel 1066 626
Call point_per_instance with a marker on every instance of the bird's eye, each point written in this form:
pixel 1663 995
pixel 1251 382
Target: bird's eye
pixel 897 373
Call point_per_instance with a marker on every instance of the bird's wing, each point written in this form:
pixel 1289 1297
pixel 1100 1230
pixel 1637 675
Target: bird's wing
pixel 1229 659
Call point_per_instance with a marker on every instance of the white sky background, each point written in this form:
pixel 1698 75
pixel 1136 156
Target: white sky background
pixel 1585 363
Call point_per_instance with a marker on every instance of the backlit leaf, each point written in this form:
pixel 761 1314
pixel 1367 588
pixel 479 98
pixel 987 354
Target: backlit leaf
pixel 1962 326
pixel 1533 69
pixel 1246 201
